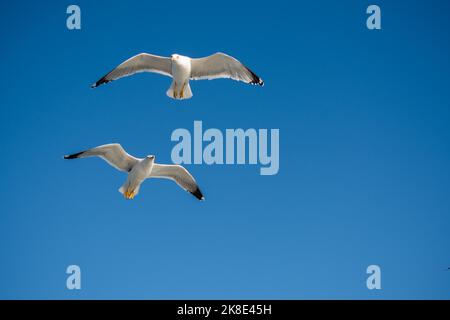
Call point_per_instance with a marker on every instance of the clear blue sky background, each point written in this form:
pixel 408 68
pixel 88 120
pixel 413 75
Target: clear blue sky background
pixel 364 152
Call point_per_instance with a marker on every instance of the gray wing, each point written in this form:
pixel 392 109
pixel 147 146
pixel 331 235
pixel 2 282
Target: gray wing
pixel 178 174
pixel 220 65
pixel 112 153
pixel 143 62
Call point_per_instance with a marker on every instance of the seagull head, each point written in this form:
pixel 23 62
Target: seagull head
pixel 150 157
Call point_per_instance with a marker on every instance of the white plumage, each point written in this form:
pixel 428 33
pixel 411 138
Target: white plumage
pixel 182 69
pixel 140 169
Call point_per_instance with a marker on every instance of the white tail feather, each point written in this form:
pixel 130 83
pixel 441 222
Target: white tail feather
pixel 170 91
pixel 187 93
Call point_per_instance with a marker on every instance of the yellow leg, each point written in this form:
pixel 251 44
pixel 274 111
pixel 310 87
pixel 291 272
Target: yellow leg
pixel 175 90
pixel 129 194
pixel 182 90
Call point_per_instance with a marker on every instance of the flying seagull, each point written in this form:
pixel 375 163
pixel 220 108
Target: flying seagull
pixel 140 169
pixel 182 69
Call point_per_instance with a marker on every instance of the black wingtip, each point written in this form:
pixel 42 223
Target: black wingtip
pixel 96 84
pixel 73 156
pixel 100 82
pixel 255 79
pixel 198 194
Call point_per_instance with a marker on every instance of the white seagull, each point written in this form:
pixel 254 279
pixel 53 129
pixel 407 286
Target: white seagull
pixel 182 69
pixel 140 169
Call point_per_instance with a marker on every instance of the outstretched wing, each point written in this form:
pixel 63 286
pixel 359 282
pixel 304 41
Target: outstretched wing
pixel 178 174
pixel 142 62
pixel 220 65
pixel 112 153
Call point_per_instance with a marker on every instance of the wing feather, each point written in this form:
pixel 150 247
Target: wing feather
pixel 178 174
pixel 143 62
pixel 112 153
pixel 221 65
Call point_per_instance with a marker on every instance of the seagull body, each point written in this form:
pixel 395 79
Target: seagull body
pixel 182 69
pixel 140 169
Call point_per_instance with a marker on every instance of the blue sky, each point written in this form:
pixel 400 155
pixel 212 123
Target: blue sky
pixel 364 152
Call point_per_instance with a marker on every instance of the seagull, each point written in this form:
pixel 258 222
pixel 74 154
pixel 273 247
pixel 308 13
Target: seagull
pixel 140 169
pixel 182 69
